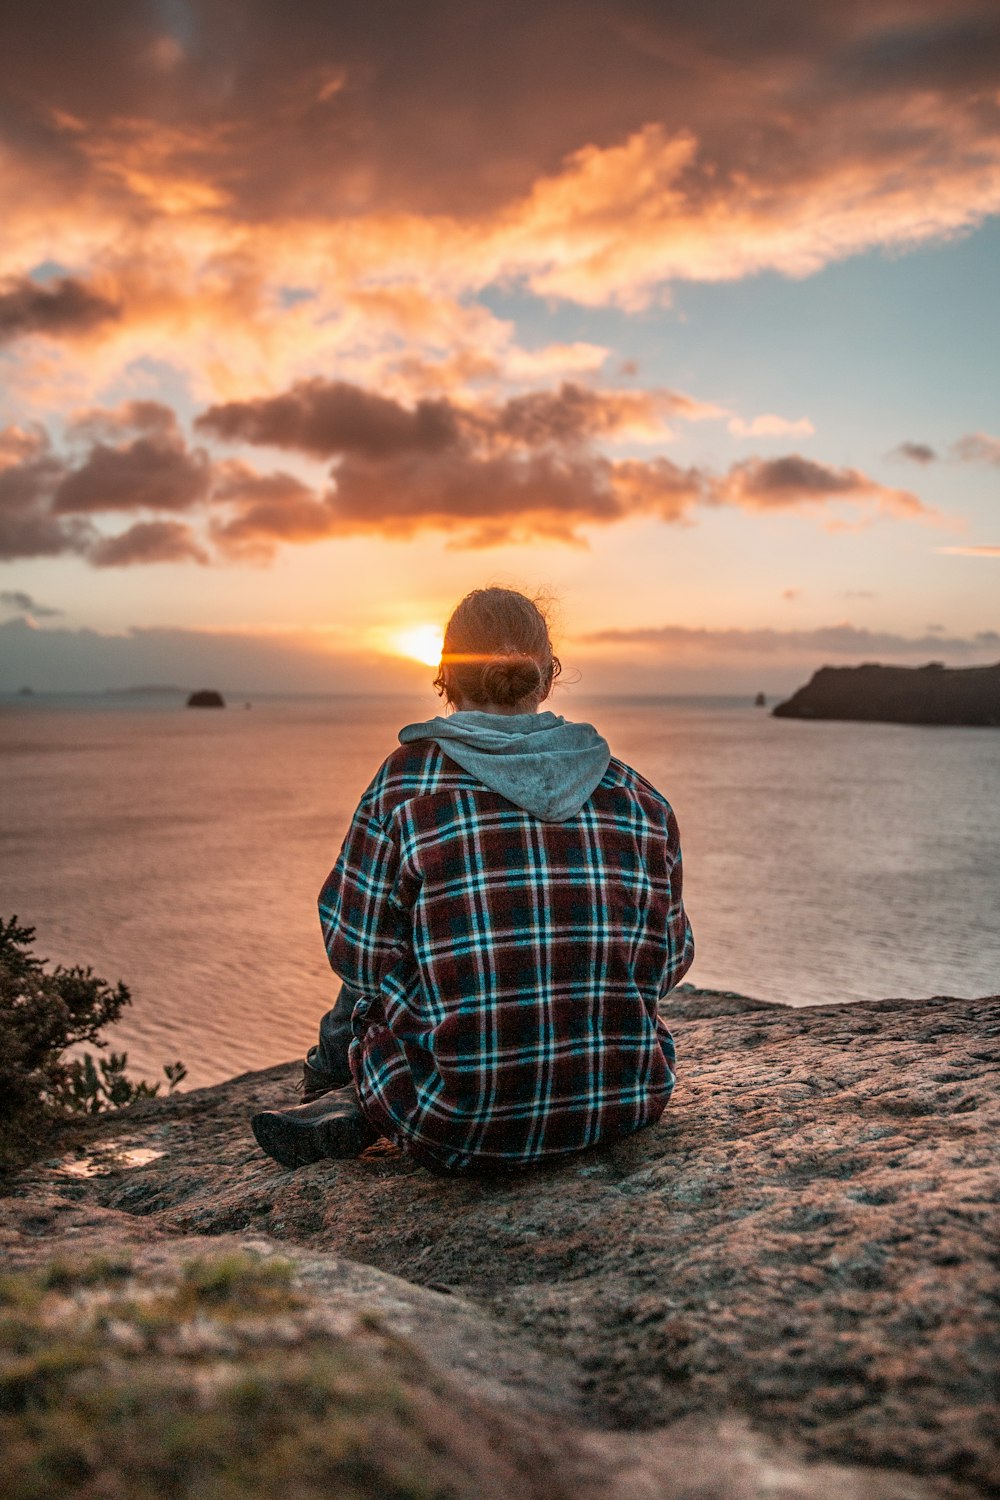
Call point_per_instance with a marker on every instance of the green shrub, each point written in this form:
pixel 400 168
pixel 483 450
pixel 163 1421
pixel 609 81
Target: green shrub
pixel 43 1013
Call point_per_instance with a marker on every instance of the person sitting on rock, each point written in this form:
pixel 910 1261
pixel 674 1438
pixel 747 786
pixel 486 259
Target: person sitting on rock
pixel 506 913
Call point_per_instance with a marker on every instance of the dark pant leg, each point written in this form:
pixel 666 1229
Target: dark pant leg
pixel 330 1053
pixel 667 1046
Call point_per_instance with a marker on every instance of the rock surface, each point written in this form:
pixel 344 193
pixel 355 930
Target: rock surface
pixel 206 698
pixel 933 694
pixel 788 1288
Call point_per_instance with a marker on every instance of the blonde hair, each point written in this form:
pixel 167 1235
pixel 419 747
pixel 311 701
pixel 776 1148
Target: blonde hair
pixel 497 650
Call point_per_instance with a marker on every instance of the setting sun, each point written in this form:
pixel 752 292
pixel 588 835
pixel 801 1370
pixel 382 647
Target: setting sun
pixel 421 642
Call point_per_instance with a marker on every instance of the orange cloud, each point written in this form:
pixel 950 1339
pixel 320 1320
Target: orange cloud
pixel 324 418
pixel 257 511
pixel 148 542
pixel 29 472
pixel 137 415
pixel 153 472
pixel 794 482
pixel 337 193
pixel 486 473
pixel 619 222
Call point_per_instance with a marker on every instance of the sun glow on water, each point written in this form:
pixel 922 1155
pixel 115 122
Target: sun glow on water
pixel 421 643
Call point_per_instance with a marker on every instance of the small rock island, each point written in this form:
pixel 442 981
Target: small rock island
pixel 206 698
pixel 933 694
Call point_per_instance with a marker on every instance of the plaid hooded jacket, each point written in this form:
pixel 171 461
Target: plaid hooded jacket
pixel 509 967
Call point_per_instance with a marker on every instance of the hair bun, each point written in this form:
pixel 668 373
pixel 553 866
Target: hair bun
pixel 496 651
pixel 508 679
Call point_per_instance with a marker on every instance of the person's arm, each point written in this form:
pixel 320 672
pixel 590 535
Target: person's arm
pixel 680 938
pixel 364 924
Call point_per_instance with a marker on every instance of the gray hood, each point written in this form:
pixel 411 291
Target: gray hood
pixel 537 761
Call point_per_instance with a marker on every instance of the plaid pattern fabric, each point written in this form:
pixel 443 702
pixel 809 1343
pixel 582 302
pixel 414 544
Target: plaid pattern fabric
pixel 509 968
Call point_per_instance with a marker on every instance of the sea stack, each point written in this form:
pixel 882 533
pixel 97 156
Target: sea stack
pixel 206 698
pixel 933 694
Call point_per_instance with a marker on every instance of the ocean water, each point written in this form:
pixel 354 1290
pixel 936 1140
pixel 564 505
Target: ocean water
pixel 183 851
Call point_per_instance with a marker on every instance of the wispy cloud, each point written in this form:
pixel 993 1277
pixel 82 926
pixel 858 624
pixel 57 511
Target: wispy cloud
pixel 261 659
pixel 842 640
pixel 61 659
pixel 769 425
pixel 977 448
pixel 25 604
pixel 970 551
pixel 917 453
pixel 973 448
pixel 148 542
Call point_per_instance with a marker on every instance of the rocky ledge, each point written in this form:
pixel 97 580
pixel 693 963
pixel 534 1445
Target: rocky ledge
pixel 788 1288
pixel 933 694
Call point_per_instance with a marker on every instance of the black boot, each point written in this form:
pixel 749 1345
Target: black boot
pixel 330 1126
pixel 317 1080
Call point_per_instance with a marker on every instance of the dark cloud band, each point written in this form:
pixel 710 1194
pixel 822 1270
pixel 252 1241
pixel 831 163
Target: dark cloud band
pixel 59 309
pixel 486 473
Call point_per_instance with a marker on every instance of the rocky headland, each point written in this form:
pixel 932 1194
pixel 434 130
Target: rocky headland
pixel 788 1288
pixel 933 694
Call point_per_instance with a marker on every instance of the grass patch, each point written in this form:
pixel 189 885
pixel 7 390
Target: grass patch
pixel 240 1282
pixel 211 1384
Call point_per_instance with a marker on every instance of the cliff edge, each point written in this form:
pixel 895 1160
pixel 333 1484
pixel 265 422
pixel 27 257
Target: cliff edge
pixel 788 1288
pixel 933 694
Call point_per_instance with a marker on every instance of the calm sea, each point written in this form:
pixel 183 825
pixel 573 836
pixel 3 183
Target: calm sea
pixel 183 850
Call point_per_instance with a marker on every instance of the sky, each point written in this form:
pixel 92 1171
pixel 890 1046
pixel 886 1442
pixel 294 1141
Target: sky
pixel 682 316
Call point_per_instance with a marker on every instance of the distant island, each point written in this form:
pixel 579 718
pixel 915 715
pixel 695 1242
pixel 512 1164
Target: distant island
pixel 934 694
pixel 206 698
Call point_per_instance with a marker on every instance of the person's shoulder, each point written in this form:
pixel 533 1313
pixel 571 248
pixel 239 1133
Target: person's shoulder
pixel 404 770
pixel 411 770
pixel 621 774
